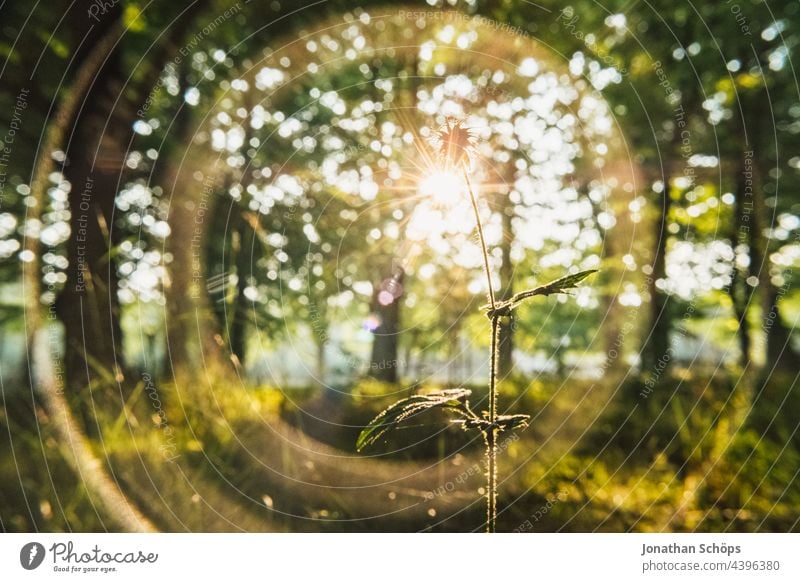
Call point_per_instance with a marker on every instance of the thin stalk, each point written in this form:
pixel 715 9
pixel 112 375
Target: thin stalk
pixel 491 433
pixel 491 437
pixel 484 248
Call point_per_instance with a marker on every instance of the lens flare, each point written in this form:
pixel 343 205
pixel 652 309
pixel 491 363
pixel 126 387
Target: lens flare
pixel 444 187
pixel 372 322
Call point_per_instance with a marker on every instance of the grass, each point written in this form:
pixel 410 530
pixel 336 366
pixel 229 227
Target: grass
pixel 595 469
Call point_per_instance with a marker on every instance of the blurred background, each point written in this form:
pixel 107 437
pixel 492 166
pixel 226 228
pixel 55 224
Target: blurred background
pixel 227 245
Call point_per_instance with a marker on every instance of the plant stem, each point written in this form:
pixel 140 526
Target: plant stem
pixel 484 248
pixel 491 437
pixel 491 433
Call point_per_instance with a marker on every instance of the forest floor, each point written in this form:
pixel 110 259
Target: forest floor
pixel 593 459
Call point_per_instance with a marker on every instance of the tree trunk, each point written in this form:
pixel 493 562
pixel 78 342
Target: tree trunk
pixel 383 363
pixel 611 274
pixel 779 348
pixel 45 165
pixel 779 351
pixel 238 314
pixel 320 368
pixel 44 376
pixel 194 339
pixel 505 359
pixel 454 354
pixel 88 304
pixel 657 342
pixel 245 232
pixel 740 291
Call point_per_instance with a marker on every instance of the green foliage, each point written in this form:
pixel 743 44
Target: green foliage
pixel 563 285
pixel 39 490
pixel 454 400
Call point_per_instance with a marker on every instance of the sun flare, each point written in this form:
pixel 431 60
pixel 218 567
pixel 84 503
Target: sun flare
pixel 444 207
pixel 445 188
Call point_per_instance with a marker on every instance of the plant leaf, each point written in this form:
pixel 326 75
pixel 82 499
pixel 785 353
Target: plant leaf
pixel 453 399
pixel 512 422
pixel 502 423
pixel 562 285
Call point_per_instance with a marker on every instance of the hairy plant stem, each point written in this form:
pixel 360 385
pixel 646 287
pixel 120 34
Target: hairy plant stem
pixel 490 434
pixel 484 248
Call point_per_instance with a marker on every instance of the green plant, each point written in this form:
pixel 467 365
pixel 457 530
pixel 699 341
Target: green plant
pixel 455 147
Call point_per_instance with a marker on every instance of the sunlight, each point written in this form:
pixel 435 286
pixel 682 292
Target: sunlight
pixel 444 187
pixel 444 209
